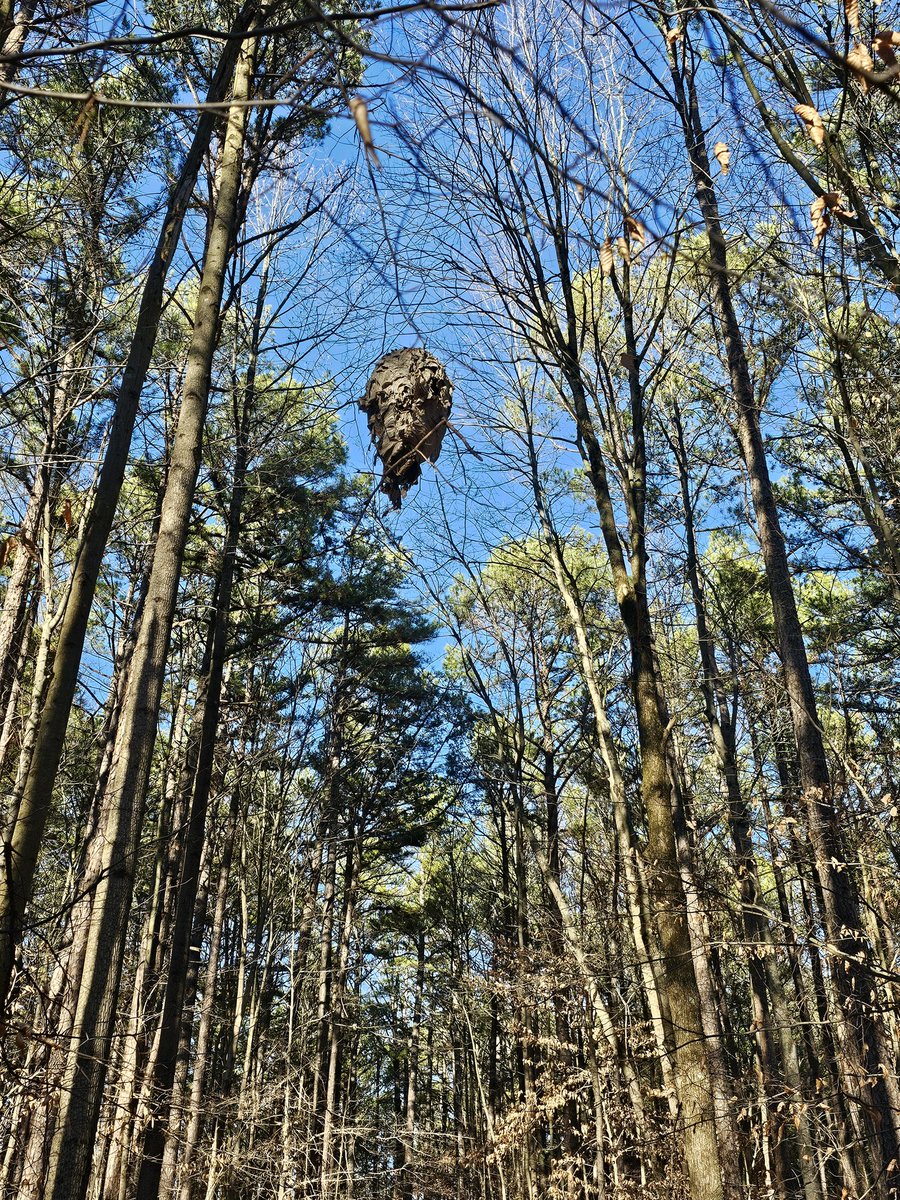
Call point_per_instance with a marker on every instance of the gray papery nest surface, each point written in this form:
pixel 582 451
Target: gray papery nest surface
pixel 407 402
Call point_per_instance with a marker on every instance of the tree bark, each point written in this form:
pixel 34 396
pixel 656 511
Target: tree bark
pixel 24 846
pixel 685 1034
pixel 851 976
pixel 129 774
pixel 776 1046
pixel 205 1026
pixel 208 706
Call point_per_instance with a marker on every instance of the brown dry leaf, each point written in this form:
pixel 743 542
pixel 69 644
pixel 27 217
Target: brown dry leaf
pixel 30 549
pixel 85 120
pixel 884 43
pixel 606 258
pixel 723 156
pixel 635 231
pixel 628 361
pixel 5 546
pixel 623 248
pixel 673 34
pixel 360 114
pixel 821 211
pixel 851 8
pixel 579 192
pixel 835 203
pixel 820 218
pixel 811 118
pixel 67 514
pixel 859 60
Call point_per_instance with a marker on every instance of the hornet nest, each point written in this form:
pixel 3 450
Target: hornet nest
pixel 407 401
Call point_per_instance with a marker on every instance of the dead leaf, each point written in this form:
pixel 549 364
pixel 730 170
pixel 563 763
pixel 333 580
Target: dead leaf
pixel 579 192
pixel 811 118
pixel 628 361
pixel 5 547
pixel 623 248
pixel 67 514
pixel 723 156
pixel 835 202
pixel 673 34
pixel 820 218
pixel 851 8
pixel 859 60
pixel 606 258
pixel 85 120
pixel 635 231
pixel 884 43
pixel 821 212
pixel 360 114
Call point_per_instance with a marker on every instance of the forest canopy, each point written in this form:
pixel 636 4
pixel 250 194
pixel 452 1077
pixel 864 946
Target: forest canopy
pixel 449 600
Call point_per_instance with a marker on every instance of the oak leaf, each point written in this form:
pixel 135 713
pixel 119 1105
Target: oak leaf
pixel 635 231
pixel 723 156
pixel 851 8
pixel 821 212
pixel 820 218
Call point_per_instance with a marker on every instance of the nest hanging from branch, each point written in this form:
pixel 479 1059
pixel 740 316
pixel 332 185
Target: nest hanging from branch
pixel 407 402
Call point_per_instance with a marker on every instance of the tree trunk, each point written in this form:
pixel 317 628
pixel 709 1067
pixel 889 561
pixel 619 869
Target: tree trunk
pixel 71 1156
pixel 776 1047
pixel 208 706
pixel 205 1026
pixel 706 1170
pixel 13 617
pixel 851 976
pixel 628 850
pixel 22 853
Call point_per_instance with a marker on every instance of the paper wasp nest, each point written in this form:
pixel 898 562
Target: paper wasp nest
pixel 407 401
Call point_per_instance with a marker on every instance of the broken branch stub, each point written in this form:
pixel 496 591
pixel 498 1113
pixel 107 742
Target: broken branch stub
pixel 407 401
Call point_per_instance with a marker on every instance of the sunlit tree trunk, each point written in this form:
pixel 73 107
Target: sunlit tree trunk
pixel 776 1045
pixel 851 976
pixel 16 603
pixel 70 1162
pixel 207 1006
pixel 199 776
pixel 34 806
